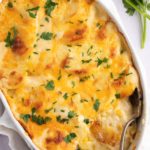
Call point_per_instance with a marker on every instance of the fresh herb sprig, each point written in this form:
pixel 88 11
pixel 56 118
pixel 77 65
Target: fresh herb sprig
pixel 142 7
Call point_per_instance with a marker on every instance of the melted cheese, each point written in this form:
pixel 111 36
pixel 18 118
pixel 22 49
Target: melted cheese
pixel 89 63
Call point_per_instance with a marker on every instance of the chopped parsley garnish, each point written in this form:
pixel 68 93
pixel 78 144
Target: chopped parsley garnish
pixel 112 101
pixel 69 45
pixel 89 50
pixel 35 118
pixel 98 25
pixel 46 36
pixel 86 121
pixel 73 94
pixel 36 53
pixel 25 117
pixel 11 37
pixel 111 75
pixel 33 11
pixel 10 5
pixel 49 7
pixel 70 137
pixel 46 19
pixel 54 102
pixel 122 51
pixel 48 110
pixel 96 105
pixel 73 84
pixel 60 76
pixel 80 21
pixel 117 95
pixel 65 96
pixel 83 79
pixel 83 100
pixel 40 120
pixel 62 120
pixel 50 85
pixel 129 74
pixel 122 74
pixel 101 61
pixel 86 61
pixel 71 114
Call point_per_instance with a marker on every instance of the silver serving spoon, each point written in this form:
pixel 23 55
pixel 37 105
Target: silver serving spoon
pixel 136 102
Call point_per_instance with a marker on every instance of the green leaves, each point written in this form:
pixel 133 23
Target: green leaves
pixel 49 7
pixel 10 5
pixel 70 137
pixel 46 36
pixel 40 120
pixel 96 105
pixel 117 95
pixel 130 10
pixel 65 96
pixel 33 11
pixel 25 117
pixel 101 61
pixel 71 114
pixel 11 37
pixel 62 120
pixel 140 6
pixel 148 6
pixel 86 61
pixel 50 85
pixel 35 118
pixel 86 121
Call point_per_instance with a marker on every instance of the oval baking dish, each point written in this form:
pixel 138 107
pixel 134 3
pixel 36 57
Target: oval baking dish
pixel 107 137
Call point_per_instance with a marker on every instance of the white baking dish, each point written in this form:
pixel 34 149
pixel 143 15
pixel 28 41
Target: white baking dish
pixel 143 122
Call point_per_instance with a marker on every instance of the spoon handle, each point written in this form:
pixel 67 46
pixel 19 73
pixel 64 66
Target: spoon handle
pixel 124 133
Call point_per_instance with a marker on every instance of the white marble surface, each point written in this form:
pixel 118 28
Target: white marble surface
pixel 133 28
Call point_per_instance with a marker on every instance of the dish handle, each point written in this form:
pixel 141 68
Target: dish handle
pixel 6 121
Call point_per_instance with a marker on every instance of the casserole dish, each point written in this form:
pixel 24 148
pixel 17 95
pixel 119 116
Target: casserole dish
pixel 136 63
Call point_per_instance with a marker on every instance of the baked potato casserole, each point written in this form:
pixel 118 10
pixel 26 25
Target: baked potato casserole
pixel 67 73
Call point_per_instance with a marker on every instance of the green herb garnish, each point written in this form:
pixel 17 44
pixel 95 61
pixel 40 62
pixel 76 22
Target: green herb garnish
pixel 86 121
pixel 50 85
pixel 69 137
pixel 83 79
pixel 65 96
pixel 142 7
pixel 11 37
pixel 46 36
pixel 71 114
pixel 49 7
pixel 62 120
pixel 25 117
pixel 86 61
pixel 96 105
pixel 10 5
pixel 33 11
pixel 35 118
pixel 48 110
pixel 117 95
pixel 101 61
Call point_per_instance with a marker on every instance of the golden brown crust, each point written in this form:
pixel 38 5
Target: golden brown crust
pixel 67 78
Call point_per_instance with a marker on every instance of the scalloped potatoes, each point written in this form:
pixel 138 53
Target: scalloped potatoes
pixel 67 73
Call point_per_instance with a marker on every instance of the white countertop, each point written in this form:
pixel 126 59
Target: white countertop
pixel 133 28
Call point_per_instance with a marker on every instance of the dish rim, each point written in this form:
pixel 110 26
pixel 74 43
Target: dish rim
pixel 143 124
pixel 137 64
